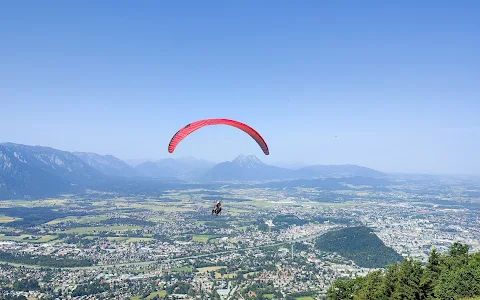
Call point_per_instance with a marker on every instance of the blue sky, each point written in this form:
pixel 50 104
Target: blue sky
pixel 397 83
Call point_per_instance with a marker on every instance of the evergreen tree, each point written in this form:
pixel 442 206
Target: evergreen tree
pixel 371 287
pixel 430 275
pixel 454 275
pixel 344 289
pixel 407 285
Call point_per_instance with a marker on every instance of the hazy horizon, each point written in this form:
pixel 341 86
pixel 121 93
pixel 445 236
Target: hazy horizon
pixel 284 164
pixel 389 86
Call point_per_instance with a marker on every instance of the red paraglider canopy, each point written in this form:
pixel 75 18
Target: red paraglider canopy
pixel 185 131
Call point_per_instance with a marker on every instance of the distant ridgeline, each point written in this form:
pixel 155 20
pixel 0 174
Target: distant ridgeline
pixel 359 244
pixel 455 275
pixel 32 172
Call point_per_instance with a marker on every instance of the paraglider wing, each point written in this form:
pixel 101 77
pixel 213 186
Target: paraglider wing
pixel 185 131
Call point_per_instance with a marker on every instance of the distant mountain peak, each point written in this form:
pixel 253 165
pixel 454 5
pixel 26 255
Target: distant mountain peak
pixel 106 164
pixel 188 158
pixel 248 161
pixel 182 167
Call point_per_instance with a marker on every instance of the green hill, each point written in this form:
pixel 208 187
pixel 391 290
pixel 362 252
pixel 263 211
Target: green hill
pixel 359 244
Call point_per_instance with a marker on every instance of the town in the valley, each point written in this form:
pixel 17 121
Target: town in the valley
pixel 263 244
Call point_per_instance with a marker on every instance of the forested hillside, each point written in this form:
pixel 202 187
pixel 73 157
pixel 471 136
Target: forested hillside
pixel 359 244
pixel 454 275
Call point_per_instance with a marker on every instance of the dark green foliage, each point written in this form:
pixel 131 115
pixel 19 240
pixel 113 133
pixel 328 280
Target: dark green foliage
pixel 33 216
pixel 8 297
pixel 454 275
pixel 263 288
pixel 294 296
pixel 263 227
pixel 178 288
pixel 301 247
pixel 284 221
pixel 407 281
pixel 460 274
pixel 430 275
pixel 44 260
pixel 78 240
pixel 359 244
pixel 26 285
pixel 90 289
pixel 344 289
pixel 288 220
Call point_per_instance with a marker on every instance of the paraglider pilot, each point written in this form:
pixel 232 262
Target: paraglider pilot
pixel 217 208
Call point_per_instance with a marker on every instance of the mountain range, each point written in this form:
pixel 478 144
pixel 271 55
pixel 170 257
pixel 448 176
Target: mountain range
pixel 36 171
pixel 107 164
pixel 184 168
pixel 40 171
pixel 250 168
